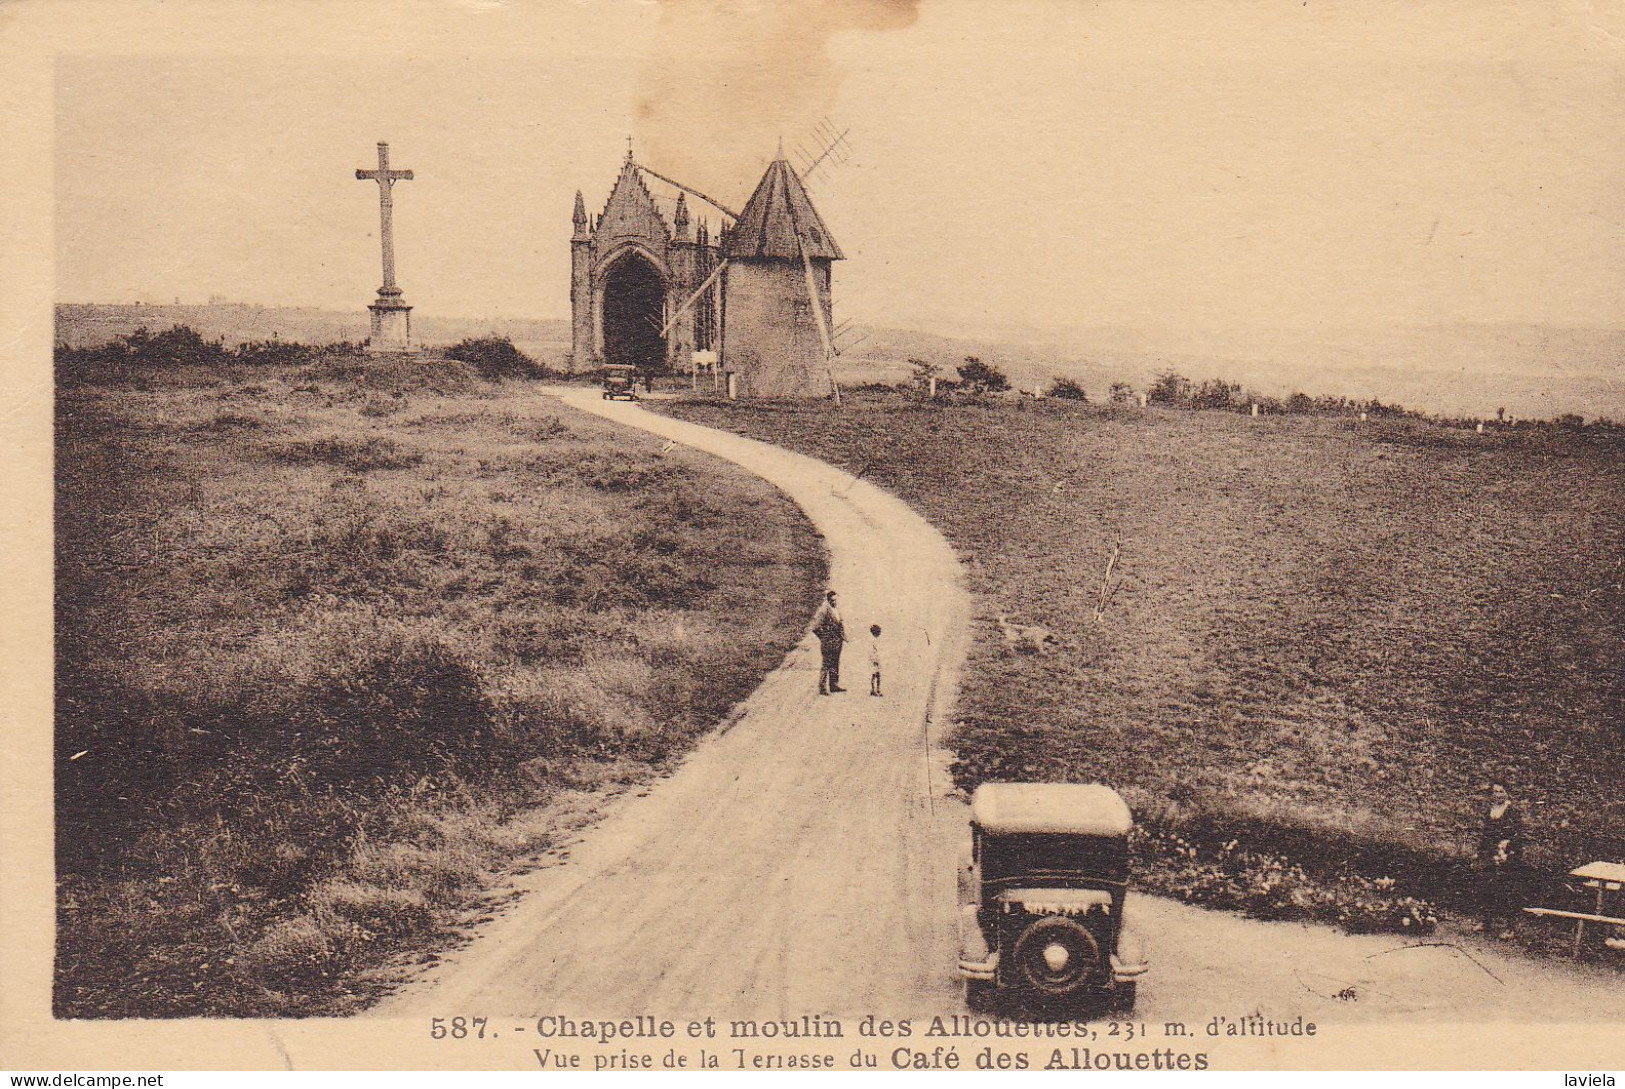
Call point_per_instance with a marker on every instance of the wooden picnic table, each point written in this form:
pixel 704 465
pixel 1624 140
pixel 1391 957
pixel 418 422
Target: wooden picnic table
pixel 1605 877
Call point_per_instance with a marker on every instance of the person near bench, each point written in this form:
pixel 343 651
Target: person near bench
pixel 1500 862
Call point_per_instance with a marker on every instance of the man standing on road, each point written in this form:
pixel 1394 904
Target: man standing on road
pixel 831 635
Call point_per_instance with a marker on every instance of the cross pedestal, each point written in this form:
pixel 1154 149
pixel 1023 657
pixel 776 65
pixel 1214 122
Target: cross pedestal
pixel 391 325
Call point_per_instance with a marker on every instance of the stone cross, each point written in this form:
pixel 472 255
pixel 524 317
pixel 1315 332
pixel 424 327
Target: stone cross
pixel 386 179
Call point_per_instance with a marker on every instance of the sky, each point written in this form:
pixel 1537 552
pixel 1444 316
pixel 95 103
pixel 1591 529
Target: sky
pixel 1016 164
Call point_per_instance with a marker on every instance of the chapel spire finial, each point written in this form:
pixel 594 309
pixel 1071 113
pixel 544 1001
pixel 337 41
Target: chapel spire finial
pixel 629 147
pixel 579 217
pixel 680 219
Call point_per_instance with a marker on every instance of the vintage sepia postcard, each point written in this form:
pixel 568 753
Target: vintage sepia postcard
pixel 861 535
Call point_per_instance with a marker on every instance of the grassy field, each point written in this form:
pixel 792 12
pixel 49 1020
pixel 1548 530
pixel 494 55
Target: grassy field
pixel 1322 634
pixel 336 642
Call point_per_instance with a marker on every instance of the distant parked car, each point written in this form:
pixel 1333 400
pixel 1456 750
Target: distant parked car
pixel 620 380
pixel 1043 897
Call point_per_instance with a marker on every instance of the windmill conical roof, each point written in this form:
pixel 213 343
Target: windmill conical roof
pixel 776 214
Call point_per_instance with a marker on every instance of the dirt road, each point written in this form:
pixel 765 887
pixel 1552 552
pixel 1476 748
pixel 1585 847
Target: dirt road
pixel 802 860
pixel 797 862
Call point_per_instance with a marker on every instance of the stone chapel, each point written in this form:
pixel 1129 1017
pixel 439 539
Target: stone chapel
pixel 766 314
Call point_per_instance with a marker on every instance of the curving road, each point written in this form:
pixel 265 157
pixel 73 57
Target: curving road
pixel 802 859
pixel 799 861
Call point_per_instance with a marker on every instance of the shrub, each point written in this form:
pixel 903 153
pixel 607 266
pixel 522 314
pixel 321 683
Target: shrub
pixel 1268 886
pixel 397 708
pixel 496 357
pixel 978 377
pixel 330 694
pixel 79 366
pixel 1067 390
pixel 133 356
pixel 1267 406
pixel 391 374
pixel 921 372
pixel 1215 393
pixel 1170 388
pixel 179 345
pixel 1300 403
pixel 273 353
pixel 1122 393
pixel 1377 410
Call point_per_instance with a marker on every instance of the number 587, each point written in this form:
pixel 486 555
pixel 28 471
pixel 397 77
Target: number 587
pixel 458 1028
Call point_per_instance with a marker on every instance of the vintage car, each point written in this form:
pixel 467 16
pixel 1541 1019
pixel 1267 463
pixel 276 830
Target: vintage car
pixel 620 380
pixel 1043 896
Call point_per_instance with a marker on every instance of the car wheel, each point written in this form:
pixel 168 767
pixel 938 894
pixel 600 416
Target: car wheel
pixel 1056 957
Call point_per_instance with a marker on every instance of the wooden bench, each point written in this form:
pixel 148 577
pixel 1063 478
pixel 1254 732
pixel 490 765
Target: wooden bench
pixel 1581 918
pixel 1605 877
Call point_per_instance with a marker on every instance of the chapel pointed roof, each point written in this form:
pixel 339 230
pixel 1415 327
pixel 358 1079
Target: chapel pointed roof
pixel 631 210
pixel 776 214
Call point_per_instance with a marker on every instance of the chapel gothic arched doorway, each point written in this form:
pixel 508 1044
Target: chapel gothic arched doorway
pixel 634 309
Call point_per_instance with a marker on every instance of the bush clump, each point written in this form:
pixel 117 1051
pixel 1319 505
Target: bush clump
pixel 1067 390
pixel 1269 886
pixel 274 353
pixel 976 376
pixel 495 358
pixel 1170 388
pixel 131 357
pixel 389 712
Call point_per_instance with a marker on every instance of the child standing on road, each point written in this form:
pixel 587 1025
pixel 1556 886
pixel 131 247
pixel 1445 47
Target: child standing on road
pixel 874 659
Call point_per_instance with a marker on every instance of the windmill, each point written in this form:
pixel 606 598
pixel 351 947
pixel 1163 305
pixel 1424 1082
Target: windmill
pixel 780 254
pixel 777 230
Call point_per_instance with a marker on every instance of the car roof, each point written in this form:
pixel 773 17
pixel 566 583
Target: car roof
pixel 1085 809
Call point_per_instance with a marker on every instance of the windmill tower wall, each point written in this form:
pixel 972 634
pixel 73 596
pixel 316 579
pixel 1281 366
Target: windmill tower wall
pixel 771 339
